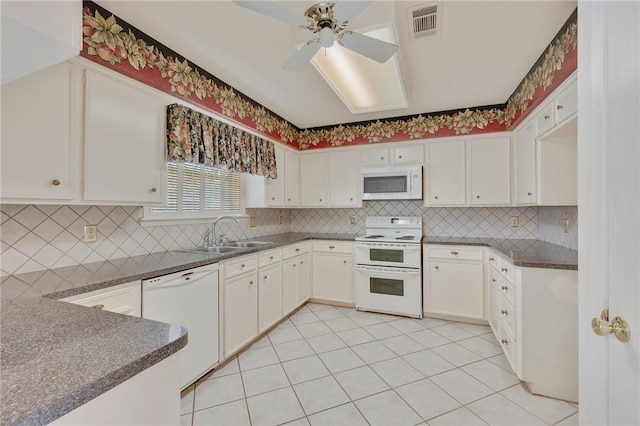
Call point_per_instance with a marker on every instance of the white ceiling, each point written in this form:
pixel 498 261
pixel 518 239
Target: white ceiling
pixel 482 52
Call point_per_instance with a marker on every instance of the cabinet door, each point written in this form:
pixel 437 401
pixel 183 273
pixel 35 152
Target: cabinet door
pixel 494 295
pixel 447 179
pixel 566 103
pixel 240 312
pixel 37 137
pixel 344 179
pixel 302 291
pixel 409 154
pixel 456 288
pixel 275 187
pixel 314 180
pixel 291 179
pixel 374 157
pixel 269 296
pixel 122 299
pixel 490 171
pixel 333 277
pixel 289 284
pixel 525 172
pixel 124 143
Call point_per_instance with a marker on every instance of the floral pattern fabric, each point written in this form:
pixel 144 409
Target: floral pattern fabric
pixel 194 137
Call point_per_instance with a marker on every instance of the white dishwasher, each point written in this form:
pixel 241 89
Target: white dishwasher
pixel 188 298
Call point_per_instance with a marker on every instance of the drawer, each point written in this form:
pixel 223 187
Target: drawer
pixel 508 345
pixel 491 258
pixel 333 246
pixel 122 299
pixel 374 157
pixel 507 269
pixel 545 120
pixel 238 266
pixel 508 315
pixel 507 289
pixel 408 154
pixel 270 257
pixel 455 253
pixel 294 250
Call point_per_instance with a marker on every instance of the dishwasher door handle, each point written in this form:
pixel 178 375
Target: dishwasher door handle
pixel 183 279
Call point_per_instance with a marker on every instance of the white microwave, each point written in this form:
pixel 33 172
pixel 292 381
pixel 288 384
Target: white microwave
pixel 392 183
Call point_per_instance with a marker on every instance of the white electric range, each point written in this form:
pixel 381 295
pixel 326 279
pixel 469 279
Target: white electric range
pixel 389 266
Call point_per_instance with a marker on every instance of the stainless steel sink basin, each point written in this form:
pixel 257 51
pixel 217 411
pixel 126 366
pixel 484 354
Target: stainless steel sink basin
pixel 215 250
pixel 249 244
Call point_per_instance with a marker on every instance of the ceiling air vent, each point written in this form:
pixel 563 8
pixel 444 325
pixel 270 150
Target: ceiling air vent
pixel 423 20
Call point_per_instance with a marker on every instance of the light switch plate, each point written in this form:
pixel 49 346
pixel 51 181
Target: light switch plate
pixel 90 233
pixel 515 221
pixel 352 220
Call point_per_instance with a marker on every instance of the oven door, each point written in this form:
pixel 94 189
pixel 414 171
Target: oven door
pixel 388 254
pixel 389 290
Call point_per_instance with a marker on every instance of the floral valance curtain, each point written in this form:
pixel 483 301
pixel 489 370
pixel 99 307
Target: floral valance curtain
pixel 193 137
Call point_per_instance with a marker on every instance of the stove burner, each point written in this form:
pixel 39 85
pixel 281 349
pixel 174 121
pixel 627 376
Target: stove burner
pixel 405 237
pixel 373 237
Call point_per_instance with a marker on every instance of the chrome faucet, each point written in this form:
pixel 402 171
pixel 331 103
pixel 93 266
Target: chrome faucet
pixel 215 222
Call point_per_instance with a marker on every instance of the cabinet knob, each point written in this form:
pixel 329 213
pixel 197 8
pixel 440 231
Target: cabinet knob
pixel 477 196
pixel 382 158
pixel 297 249
pixel 273 198
pixel 546 116
pixel 320 199
pixel 504 342
pixel 399 156
pixel 559 107
pixel 270 257
pixel 436 268
pixel 301 262
pixel 344 261
pixel 251 282
pixel 455 253
pixel 505 313
pixel 491 259
pixel 436 197
pixel 55 182
pixel 265 277
pixel 332 247
pixel 504 288
pixel 242 266
pixel 493 280
pixel 350 199
pixel 295 264
pixel 98 306
pixel 505 270
pixel 154 189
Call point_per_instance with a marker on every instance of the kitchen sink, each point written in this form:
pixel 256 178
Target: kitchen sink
pixel 248 244
pixel 214 250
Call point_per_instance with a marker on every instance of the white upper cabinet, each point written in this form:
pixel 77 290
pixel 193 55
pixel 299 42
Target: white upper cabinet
pixel 38 34
pixel 490 171
pixel 37 136
pixel 378 156
pixel 314 182
pixel 275 187
pixel 563 105
pixel 344 179
pixel 124 142
pixel 446 176
pixel 408 154
pixel 525 165
pixel 292 179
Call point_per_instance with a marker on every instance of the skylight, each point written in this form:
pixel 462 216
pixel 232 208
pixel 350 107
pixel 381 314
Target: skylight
pixel 364 85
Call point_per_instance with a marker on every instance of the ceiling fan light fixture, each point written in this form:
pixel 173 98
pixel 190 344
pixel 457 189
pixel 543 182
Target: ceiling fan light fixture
pixel 326 37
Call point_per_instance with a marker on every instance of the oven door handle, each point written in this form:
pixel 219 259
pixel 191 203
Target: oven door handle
pixel 388 270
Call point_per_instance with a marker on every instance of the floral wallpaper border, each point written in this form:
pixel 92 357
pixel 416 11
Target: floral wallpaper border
pixel 114 43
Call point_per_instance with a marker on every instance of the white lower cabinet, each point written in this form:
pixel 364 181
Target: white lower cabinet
pixel 295 276
pixel 122 299
pixel 269 289
pixel 454 281
pixel 240 303
pixel 332 275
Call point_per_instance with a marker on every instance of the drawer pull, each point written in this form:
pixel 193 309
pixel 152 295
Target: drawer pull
pixel 320 199
pixel 436 197
pixel 455 253
pixel 350 199
pixel 546 116
pixel 295 264
pixel 98 306
pixel 491 259
pixel 288 199
pixel 297 249
pixel 273 198
pixel 265 277
pixel 242 266
pixel 301 262
pixel 529 194
pixel 55 182
pixel 493 280
pixel 504 342
pixel 505 313
pixel 332 247
pixel 153 189
pixel 270 257
pixel 504 288
pixel 399 156
pixel 505 270
pixel 344 261
pixel 382 158
pixel 477 196
pixel 251 282
pixel 436 268
pixel 559 107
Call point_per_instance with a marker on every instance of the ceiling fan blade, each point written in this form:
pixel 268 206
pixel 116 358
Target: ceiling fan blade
pixel 273 10
pixel 303 55
pixel 345 10
pixel 378 50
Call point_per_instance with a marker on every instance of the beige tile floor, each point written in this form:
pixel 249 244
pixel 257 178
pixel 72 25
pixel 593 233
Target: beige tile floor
pixel 329 365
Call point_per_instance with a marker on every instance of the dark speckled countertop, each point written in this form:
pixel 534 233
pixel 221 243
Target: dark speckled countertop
pixel 55 356
pixel 525 253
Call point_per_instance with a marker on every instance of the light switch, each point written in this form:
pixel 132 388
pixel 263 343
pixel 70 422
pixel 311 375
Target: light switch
pixel 352 220
pixel 252 221
pixel 565 225
pixel 90 233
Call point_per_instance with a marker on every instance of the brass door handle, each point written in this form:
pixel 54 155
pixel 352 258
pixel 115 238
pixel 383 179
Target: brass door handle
pixel 619 326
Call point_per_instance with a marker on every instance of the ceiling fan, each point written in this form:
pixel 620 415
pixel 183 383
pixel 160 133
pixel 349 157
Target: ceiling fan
pixel 329 21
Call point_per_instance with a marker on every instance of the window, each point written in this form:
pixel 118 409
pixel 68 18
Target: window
pixel 198 191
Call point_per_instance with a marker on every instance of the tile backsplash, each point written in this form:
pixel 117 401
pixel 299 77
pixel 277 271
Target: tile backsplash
pixel 37 237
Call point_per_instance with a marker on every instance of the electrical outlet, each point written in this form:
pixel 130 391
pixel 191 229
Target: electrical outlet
pixel 565 225
pixel 252 221
pixel 352 220
pixel 280 220
pixel 515 221
pixel 90 233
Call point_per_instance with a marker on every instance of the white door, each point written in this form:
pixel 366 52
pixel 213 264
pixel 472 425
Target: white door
pixel 344 179
pixel 446 183
pixel 314 188
pixel 275 187
pixel 609 202
pixel 490 171
pixel 291 179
